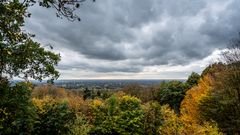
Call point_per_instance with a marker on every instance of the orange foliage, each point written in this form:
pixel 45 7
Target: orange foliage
pixel 50 90
pixel 75 102
pixel 74 99
pixel 189 107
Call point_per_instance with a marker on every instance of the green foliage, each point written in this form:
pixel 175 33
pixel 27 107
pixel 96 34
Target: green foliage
pixel 152 118
pixel 104 116
pixel 131 116
pixel 222 104
pixel 172 93
pixel 21 56
pixel 87 94
pixel 16 109
pixel 104 94
pixel 80 127
pixel 53 117
pixel 171 124
pixel 118 115
pixel 193 80
pixel 92 94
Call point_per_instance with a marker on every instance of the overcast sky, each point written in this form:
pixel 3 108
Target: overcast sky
pixel 138 39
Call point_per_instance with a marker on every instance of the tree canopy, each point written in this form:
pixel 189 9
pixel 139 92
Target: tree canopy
pixel 20 55
pixel 222 103
pixel 193 79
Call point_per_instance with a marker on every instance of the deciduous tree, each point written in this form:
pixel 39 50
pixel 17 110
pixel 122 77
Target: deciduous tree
pixel 222 104
pixel 172 93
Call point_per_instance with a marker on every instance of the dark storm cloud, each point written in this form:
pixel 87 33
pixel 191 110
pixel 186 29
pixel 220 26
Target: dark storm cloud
pixel 223 28
pixel 144 33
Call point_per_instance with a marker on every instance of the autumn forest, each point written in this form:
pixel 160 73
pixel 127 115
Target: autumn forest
pixel 206 103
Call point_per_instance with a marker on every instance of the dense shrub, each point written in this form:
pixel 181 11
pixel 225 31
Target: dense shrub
pixel 171 124
pixel 54 117
pixel 16 109
pixel 153 118
pixel 118 115
pixel 80 126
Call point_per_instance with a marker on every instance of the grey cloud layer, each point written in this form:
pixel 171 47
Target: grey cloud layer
pixel 144 33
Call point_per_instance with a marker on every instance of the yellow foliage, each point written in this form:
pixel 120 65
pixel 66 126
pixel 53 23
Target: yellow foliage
pixel 208 129
pixel 97 103
pixel 39 103
pixel 75 102
pixel 190 109
pixel 119 94
pixel 48 93
pixel 4 115
pixel 130 98
pixel 171 122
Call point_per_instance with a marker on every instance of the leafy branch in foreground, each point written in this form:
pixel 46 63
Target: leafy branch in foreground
pixel 21 56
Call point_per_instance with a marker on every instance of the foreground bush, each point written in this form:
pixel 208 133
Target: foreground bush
pixel 17 113
pixel 153 118
pixel 54 117
pixel 171 123
pixel 117 115
pixel 80 126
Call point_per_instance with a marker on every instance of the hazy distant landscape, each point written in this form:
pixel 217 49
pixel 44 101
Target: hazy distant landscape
pixel 106 84
pixel 113 84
